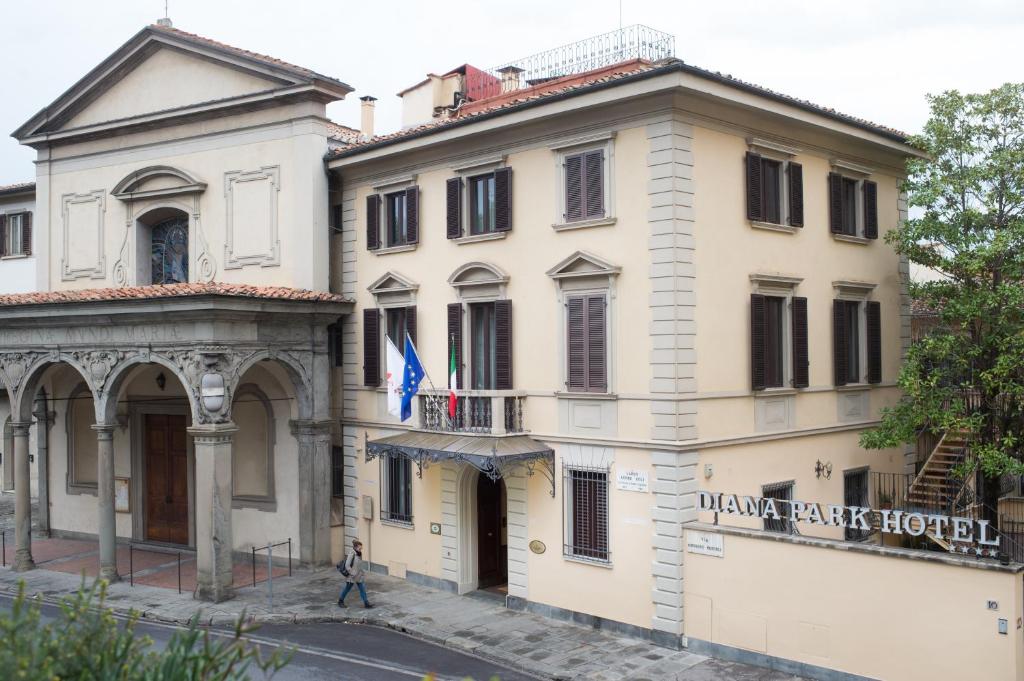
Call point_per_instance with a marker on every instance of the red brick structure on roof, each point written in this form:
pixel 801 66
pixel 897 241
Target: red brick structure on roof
pixel 129 293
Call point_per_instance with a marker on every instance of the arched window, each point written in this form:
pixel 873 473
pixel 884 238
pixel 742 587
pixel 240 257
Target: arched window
pixel 169 258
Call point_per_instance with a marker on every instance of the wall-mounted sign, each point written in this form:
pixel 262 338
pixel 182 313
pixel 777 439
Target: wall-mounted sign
pixel 537 546
pixel 435 528
pixel 955 530
pixel 632 481
pixel 705 543
pixel 122 495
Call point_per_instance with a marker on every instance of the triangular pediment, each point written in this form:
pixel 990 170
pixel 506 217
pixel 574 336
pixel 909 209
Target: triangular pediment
pixel 163 72
pixel 583 264
pixel 392 282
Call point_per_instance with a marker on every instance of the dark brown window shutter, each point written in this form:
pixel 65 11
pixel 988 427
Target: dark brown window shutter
pixel 754 190
pixel 757 359
pixel 410 323
pixel 839 341
pixel 336 217
pixel 453 198
pixel 371 347
pixel 835 203
pixel 594 183
pixel 870 210
pixel 873 314
pixel 455 339
pixel 503 345
pixel 597 377
pixel 576 337
pixel 503 199
pixel 412 215
pixel 798 315
pixel 574 187
pixel 3 235
pixel 26 233
pixel 373 222
pixel 796 194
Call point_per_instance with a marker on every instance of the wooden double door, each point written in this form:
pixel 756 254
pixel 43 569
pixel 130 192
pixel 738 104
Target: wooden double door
pixel 166 466
pixel 492 552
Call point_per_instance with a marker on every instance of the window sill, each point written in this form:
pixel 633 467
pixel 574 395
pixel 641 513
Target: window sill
pixel 854 387
pixel 474 238
pixel 775 392
pixel 76 488
pixel 267 505
pixel 16 256
pixel 394 249
pixel 606 564
pixel 774 227
pixel 400 524
pixel 583 224
pixel 586 396
pixel 850 239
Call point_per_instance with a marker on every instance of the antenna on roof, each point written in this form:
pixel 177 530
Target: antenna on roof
pixel 166 20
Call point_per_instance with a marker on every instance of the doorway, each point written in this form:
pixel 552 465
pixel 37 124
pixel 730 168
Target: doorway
pixel 166 465
pixel 492 534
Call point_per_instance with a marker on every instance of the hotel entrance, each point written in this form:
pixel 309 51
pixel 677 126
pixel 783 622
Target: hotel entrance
pixel 492 534
pixel 166 489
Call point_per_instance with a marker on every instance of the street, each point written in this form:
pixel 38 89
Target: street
pixel 346 651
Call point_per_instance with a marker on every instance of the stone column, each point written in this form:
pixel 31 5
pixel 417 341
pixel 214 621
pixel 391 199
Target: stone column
pixel 105 501
pixel 314 438
pixel 22 500
pixel 213 510
pixel 43 421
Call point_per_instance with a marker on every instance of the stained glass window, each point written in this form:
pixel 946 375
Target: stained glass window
pixel 170 251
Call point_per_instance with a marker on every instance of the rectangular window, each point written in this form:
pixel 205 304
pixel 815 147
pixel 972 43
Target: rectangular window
pixel 774 342
pixel 15 243
pixel 396 497
pixel 782 493
pixel 587 347
pixel 855 493
pixel 338 472
pixel 395 215
pixel 849 211
pixel 851 314
pixel 334 344
pixel 586 497
pixel 482 204
pixel 396 326
pixel 482 346
pixel 771 191
pixel 585 186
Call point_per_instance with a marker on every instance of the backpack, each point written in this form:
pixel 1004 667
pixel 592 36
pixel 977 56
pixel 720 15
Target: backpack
pixel 343 567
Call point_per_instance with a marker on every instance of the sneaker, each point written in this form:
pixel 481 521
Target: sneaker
pixel 341 604
pixel 367 605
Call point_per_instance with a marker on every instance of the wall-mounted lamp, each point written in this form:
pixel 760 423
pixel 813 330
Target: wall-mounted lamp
pixel 821 469
pixel 161 380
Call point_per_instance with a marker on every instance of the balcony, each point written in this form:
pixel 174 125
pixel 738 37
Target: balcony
pixel 478 412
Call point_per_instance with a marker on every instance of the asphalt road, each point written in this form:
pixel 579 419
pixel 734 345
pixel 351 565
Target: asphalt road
pixel 346 651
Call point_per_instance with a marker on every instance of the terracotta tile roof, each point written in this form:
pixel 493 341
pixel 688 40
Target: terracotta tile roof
pixel 19 188
pixel 170 291
pixel 605 77
pixel 270 61
pixel 342 133
pixel 919 308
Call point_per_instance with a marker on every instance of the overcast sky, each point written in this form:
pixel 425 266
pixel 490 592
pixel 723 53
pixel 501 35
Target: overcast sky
pixel 872 58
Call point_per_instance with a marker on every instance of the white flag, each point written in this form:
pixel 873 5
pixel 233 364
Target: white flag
pixel 395 368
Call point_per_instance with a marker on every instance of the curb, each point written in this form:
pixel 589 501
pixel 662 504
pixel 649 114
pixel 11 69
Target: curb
pixel 220 620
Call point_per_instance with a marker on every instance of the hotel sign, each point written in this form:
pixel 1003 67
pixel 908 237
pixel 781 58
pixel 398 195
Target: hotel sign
pixel 950 529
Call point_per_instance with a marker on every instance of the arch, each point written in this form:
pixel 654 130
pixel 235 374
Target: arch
pixel 181 183
pixel 106 405
pixel 301 382
pixel 24 394
pixel 477 273
pixel 467 570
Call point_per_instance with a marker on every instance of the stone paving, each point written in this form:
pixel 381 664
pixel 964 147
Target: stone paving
pixel 478 624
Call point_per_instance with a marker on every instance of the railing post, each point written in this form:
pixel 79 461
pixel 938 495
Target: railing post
pixel 270 577
pixel 131 564
pixel 3 540
pixel 498 415
pixel 289 556
pixel 179 573
pixel 254 567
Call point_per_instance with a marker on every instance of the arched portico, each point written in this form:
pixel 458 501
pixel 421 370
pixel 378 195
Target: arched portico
pixel 207 338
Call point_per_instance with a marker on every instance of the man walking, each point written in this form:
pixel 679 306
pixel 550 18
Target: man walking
pixel 354 573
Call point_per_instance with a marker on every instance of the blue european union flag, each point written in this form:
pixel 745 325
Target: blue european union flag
pixel 411 377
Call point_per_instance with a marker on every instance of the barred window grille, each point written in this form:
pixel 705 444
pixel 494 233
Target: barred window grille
pixel 782 493
pixel 338 472
pixel 855 493
pixel 396 489
pixel 586 501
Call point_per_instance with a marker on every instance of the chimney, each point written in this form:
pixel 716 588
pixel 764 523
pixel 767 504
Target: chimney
pixel 511 78
pixel 366 117
pixel 165 22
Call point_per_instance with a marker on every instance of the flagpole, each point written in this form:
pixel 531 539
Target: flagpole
pixel 426 375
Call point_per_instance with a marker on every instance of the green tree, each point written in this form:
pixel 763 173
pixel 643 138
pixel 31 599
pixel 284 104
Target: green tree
pixel 86 642
pixel 967 203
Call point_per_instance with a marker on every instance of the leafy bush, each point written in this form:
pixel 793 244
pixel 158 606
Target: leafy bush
pixel 86 642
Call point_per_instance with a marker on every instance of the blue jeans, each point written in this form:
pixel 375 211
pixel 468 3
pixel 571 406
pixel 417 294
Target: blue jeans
pixel 348 587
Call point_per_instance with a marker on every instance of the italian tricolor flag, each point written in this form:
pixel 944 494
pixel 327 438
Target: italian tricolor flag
pixel 453 383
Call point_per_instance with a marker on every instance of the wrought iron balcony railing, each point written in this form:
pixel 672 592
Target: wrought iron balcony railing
pixel 480 412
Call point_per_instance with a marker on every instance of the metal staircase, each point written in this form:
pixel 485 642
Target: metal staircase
pixel 934 487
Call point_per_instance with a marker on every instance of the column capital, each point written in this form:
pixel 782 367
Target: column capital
pixel 213 433
pixel 104 431
pixel 310 428
pixel 20 428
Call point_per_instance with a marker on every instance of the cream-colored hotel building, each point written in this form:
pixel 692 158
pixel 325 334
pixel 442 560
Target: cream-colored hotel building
pixel 656 280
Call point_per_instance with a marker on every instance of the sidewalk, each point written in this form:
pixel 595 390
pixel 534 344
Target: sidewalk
pixel 477 624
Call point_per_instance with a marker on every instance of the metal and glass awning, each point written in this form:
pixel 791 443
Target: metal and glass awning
pixel 494 456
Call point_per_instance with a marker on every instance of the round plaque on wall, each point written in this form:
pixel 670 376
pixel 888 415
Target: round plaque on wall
pixel 537 546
